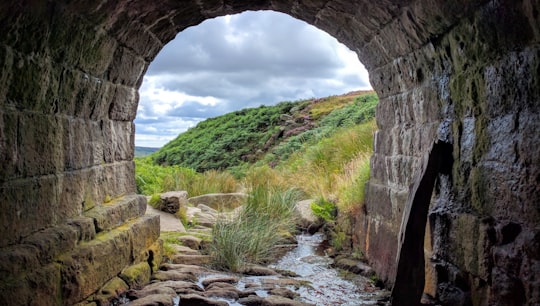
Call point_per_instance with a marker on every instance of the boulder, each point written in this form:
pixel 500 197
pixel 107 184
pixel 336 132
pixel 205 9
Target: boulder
pixel 172 201
pixel 219 201
pixel 193 299
pixel 306 219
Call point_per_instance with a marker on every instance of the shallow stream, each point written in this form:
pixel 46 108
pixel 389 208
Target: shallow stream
pixel 325 286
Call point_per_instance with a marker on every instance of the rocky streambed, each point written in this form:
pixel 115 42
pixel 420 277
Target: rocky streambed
pixel 303 276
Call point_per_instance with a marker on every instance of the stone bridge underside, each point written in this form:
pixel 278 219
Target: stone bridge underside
pixel 463 72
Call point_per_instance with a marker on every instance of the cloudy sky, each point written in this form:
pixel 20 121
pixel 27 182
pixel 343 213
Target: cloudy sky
pixel 239 61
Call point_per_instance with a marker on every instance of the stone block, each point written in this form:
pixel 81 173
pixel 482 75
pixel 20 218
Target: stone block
pixel 173 201
pixel 127 68
pixel 144 234
pixel 136 276
pixel 10 165
pixel 93 263
pixel 120 135
pixel 124 104
pixel 117 211
pixel 28 206
pixel 40 146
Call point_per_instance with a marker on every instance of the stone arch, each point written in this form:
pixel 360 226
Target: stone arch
pixel 443 70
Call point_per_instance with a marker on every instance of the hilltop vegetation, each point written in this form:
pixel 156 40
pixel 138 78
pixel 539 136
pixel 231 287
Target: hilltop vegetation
pixel 247 135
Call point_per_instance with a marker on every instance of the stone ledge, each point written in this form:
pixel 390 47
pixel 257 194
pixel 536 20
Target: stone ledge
pixel 116 212
pixel 94 263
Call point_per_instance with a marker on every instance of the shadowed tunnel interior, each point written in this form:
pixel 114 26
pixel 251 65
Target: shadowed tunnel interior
pixel 463 72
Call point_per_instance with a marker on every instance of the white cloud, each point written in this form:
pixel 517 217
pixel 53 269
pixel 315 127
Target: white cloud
pixel 233 62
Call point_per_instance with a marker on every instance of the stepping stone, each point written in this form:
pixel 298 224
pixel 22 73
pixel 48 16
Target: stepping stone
pixel 191 259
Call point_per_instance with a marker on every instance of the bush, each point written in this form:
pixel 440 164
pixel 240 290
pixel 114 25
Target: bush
pixel 265 220
pixel 324 209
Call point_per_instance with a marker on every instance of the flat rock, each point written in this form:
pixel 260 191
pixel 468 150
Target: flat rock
pixel 354 266
pixel 173 275
pixel 154 300
pixel 184 268
pixel 161 290
pixel 180 287
pixel 184 250
pixel 167 222
pixel 257 270
pixel 226 279
pixel 190 241
pixel 191 259
pixel 194 299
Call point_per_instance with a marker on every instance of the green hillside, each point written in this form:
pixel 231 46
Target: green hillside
pixel 269 132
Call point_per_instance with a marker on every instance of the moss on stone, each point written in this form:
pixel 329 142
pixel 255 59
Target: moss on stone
pixel 137 275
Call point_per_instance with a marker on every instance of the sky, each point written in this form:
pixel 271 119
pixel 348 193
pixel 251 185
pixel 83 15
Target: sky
pixel 239 61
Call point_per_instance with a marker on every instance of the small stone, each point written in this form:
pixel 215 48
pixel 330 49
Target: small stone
pixel 228 280
pixel 193 299
pixel 154 300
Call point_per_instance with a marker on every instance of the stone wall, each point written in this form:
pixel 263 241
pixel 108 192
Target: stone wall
pixel 465 72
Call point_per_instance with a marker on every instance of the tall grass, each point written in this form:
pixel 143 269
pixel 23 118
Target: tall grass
pixel 336 168
pixel 153 179
pixel 265 221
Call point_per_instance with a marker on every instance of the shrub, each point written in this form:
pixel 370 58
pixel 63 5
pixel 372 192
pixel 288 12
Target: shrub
pixel 324 209
pixel 264 221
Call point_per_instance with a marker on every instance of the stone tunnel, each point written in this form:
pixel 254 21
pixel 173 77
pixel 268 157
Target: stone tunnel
pixel 462 73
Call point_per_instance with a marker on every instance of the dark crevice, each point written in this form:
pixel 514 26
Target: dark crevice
pixel 410 274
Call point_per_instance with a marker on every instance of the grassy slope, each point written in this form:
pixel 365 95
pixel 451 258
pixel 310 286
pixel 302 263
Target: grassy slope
pixel 248 135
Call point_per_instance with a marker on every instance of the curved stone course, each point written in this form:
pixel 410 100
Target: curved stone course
pixel 465 72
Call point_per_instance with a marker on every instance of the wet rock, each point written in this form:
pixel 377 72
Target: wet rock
pixel 184 268
pixel 283 282
pixel 222 290
pixel 191 259
pixel 228 280
pixel 276 300
pixel 284 292
pixel 252 300
pixel 257 270
pixel 180 287
pixel 197 300
pixel 354 266
pixel 154 300
pixel 172 201
pixel 272 300
pixel 161 290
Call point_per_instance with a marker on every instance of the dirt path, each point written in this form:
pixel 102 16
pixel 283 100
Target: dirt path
pixel 168 222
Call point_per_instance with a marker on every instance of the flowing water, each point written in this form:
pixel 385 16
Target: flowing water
pixel 328 287
pixel 324 284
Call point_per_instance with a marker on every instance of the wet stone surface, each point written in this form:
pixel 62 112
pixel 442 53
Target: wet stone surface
pixel 303 276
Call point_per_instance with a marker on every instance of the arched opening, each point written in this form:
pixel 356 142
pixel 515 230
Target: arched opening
pixel 443 70
pixel 239 61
